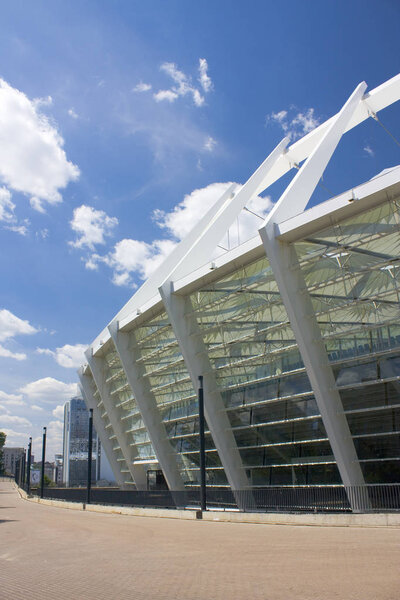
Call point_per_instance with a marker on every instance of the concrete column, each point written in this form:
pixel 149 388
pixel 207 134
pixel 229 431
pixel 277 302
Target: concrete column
pixel 87 385
pixel 128 351
pixel 194 352
pixel 137 470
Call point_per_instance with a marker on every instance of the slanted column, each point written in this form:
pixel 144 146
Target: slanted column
pixel 194 352
pixel 127 348
pixel 294 293
pixel 298 304
pixel 88 396
pixel 137 471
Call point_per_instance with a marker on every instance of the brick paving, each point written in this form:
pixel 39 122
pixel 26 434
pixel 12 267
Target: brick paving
pixel 51 553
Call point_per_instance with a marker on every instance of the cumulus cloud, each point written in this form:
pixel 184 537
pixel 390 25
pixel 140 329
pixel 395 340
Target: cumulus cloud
pixel 32 158
pixel 4 352
pixel 91 226
pixel 135 257
pixel 13 420
pixel 68 356
pixel 183 84
pixel 11 399
pixel 142 87
pixel 8 216
pixel 58 412
pixel 293 122
pixel 11 326
pixel 6 206
pixel 49 390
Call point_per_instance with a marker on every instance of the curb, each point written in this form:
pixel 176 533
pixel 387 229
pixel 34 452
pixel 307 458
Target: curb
pixel 305 520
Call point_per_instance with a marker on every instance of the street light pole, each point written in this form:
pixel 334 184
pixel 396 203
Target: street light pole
pixel 28 469
pixel 43 460
pixel 203 498
pixel 90 444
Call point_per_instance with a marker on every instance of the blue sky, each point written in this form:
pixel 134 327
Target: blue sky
pixel 120 121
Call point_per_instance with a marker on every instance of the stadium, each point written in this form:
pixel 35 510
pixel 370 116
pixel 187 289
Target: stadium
pixel 296 333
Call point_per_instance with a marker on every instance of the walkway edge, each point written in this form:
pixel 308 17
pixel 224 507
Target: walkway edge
pixel 314 520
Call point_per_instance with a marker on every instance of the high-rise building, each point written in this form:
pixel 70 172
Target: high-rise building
pixel 10 458
pixel 75 447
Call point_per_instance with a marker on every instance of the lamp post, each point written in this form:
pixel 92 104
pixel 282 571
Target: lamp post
pixel 203 498
pixel 90 444
pixel 23 468
pixel 43 459
pixel 28 469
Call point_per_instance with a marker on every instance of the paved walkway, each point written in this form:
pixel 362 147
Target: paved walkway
pixel 51 553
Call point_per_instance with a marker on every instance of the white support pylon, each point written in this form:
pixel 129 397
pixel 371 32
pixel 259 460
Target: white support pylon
pixel 186 328
pixel 86 386
pixel 137 471
pixel 195 355
pixel 128 353
pixel 292 287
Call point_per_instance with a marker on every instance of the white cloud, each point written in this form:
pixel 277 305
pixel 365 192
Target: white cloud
pixel 168 95
pixel 131 257
pixel 49 390
pixel 11 399
pixel 92 226
pixel 21 229
pixel 294 123
pixel 210 144
pixel 13 420
pixel 58 412
pixel 32 158
pixel 37 204
pixel 36 408
pixel 7 214
pixel 8 354
pixel 6 206
pixel 369 150
pixel 204 78
pixel 183 85
pixel 142 87
pixel 11 325
pixel 54 438
pixel 4 409
pixel 73 114
pixel 13 437
pixel 68 356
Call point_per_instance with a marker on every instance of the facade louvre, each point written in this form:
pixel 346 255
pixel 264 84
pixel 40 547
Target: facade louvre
pixel 296 333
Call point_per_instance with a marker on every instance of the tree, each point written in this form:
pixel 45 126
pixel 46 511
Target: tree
pixel 2 442
pixel 48 482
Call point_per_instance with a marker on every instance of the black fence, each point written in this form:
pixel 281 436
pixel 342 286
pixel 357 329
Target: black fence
pixel 370 498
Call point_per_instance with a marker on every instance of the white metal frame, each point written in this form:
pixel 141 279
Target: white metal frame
pixel 185 265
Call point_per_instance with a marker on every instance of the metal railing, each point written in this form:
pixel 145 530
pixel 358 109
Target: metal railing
pixel 369 498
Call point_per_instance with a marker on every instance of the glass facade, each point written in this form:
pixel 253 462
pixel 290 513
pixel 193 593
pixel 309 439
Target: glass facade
pixel 352 274
pixel 111 436
pixel 157 351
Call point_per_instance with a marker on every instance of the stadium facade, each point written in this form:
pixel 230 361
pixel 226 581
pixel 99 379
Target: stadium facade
pixel 296 333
